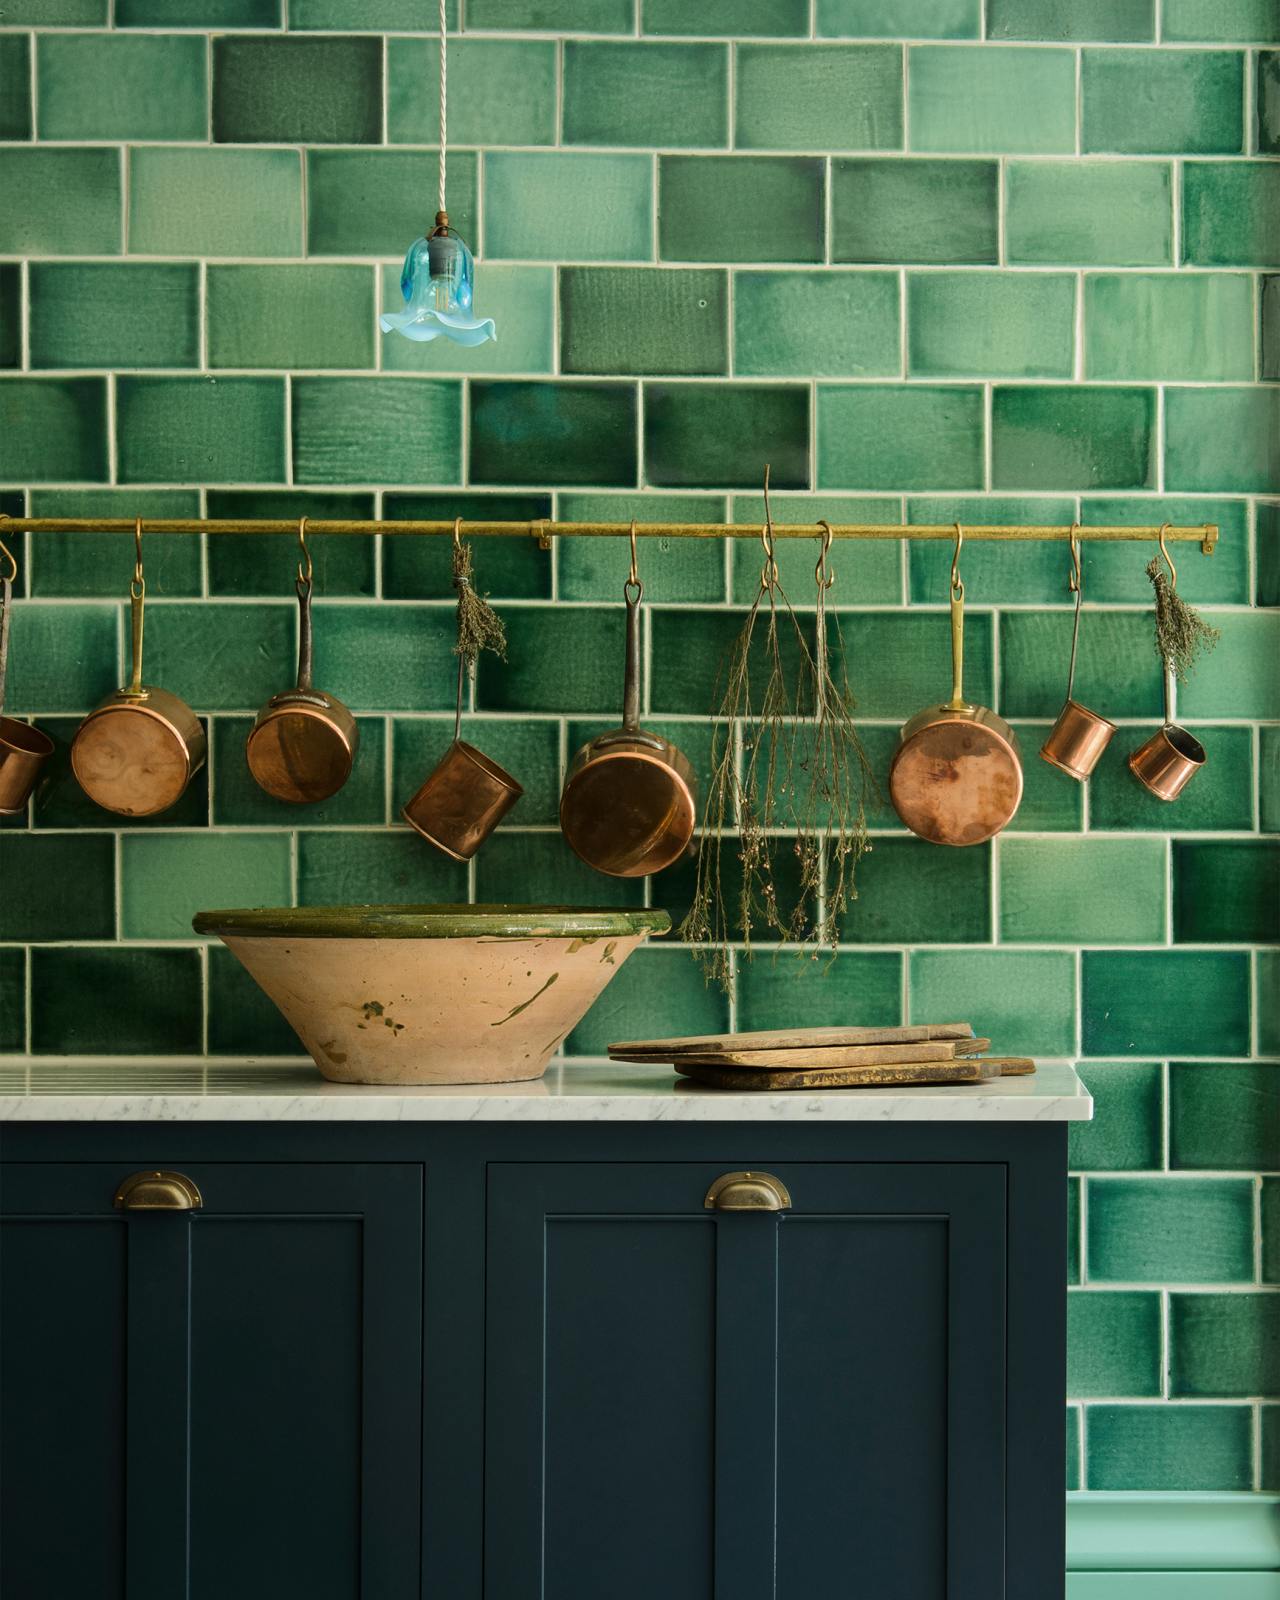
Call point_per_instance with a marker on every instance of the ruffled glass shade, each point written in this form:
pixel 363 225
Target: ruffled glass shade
pixel 436 283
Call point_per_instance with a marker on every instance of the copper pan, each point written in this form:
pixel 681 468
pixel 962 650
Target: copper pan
pixel 23 749
pixel 1171 757
pixel 1077 739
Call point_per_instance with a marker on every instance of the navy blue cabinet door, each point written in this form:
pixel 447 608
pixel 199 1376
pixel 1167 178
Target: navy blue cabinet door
pixel 745 1406
pixel 225 1401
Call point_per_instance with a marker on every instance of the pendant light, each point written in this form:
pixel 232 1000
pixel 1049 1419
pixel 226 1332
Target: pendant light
pixel 436 279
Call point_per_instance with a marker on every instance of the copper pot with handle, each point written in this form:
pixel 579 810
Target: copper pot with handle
pixel 23 749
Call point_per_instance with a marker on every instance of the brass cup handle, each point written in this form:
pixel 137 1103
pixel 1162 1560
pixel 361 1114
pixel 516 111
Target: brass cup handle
pixel 748 1191
pixel 158 1191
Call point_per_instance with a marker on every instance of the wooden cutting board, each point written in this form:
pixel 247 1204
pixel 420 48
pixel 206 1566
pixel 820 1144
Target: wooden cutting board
pixel 899 1075
pixel 848 1055
pixel 786 1039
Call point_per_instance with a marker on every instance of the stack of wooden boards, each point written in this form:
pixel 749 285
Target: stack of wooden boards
pixel 829 1058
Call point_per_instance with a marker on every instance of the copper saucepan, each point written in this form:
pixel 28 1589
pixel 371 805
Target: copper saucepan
pixel 23 749
pixel 1077 739
pixel 1171 757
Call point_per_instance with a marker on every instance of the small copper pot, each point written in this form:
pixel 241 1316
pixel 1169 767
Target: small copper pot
pixel 1170 758
pixel 1076 740
pixel 23 749
pixel 463 800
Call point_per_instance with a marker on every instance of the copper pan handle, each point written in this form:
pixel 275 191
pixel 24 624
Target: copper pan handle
pixel 6 597
pixel 957 701
pixel 631 675
pixel 137 605
pixel 305 650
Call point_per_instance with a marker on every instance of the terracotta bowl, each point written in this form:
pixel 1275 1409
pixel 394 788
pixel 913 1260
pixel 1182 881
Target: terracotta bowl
pixel 432 994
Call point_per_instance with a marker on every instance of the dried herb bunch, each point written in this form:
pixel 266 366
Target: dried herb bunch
pixel 479 625
pixel 1182 635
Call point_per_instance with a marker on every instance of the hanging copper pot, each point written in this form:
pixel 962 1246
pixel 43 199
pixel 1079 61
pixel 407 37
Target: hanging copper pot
pixel 1079 736
pixel 23 749
pixel 1171 757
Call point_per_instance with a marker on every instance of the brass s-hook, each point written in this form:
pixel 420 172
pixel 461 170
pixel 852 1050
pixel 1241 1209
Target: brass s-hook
pixel 1073 582
pixel 12 575
pixel 1168 559
pixel 138 588
pixel 634 576
pixel 305 573
pixel 822 572
pixel 957 587
pixel 457 533
pixel 769 572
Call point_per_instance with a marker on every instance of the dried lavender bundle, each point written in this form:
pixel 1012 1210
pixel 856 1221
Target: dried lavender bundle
pixel 479 625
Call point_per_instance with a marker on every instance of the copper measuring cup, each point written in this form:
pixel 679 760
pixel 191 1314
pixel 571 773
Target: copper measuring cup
pixel 303 744
pixel 136 753
pixel 1077 739
pixel 1171 757
pixel 23 749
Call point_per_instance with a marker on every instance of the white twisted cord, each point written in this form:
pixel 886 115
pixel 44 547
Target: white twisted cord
pixel 444 97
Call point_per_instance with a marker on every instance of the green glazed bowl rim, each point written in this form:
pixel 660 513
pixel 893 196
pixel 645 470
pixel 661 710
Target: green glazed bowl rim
pixel 432 922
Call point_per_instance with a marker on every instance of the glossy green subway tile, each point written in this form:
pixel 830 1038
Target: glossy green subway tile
pixel 1023 1000
pixel 13 1000
pixel 53 430
pixel 61 658
pixel 521 300
pixel 501 91
pixel 740 208
pixel 745 18
pixel 115 1002
pixel 176 430
pixel 251 646
pixel 899 437
pixel 642 319
pixel 1269 779
pixel 1073 1230
pixel 1222 439
pixel 1191 326
pixel 602 203
pixel 1162 102
pixel 993 573
pixel 624 93
pixel 297 91
pixel 1270 331
pixel 903 883
pixel 672 891
pixel 818 97
pixel 1226 892
pixel 167 877
pixel 1118 571
pixel 1113 1343
pixel 893 19
pixel 1082 891
pixel 1231 213
pixel 145 314
pixel 1267 590
pixel 1169 1447
pixel 60 802
pixel 1266 103
pixel 210 202
pixel 57 13
pixel 388 658
pixel 671 569
pixel 1223 1346
pixel 995 100
pixel 702 436
pixel 376 868
pixel 895 210
pixel 1051 802
pixel 238 801
pixel 15 86
pixel 859 988
pixel 556 661
pixel 1136 1003
pixel 1170 1230
pixel 1073 1447
pixel 1232 21
pixel 562 433
pixel 553 16
pixel 303 315
pixel 1242 676
pixel 242 1021
pixel 1271 1245
pixel 652 982
pixel 1128 1118
pixel 197 13
pixel 57 886
pixel 990 324
pixel 1220 797
pixel 527 748
pixel 824 324
pixel 371 202
pixel 376 430
pixel 1268 969
pixel 690 650
pixel 511 568
pixel 541 869
pixel 10 315
pixel 60 202
pixel 899 661
pixel 1081 20
pixel 1269 1426
pixel 99 565
pixel 121 86
pixel 1224 1114
pixel 1073 437
pixel 1089 213
pixel 868 572
pixel 390 15
pixel 265 564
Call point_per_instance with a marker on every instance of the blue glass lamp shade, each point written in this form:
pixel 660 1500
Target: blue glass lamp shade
pixel 436 282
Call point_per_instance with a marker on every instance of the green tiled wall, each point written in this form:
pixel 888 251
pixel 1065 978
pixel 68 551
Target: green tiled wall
pixel 1007 260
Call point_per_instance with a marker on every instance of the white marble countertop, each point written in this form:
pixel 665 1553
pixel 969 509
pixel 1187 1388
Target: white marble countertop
pixel 195 1089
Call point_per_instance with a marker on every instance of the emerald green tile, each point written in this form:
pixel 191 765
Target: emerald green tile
pixel 602 205
pixel 197 13
pixel 1163 1447
pixel 990 324
pixel 1223 1346
pixel 376 202
pixel 56 13
pixel 557 660
pixel 858 988
pixel 118 86
pixel 389 15
pixel 58 886
pixel 1271 1243
pixel 623 93
pixel 993 572
pixel 825 324
pixel 184 430
pixel 1233 21
pixel 1268 965
pixel 903 882
pixel 115 1002
pixel 1089 213
pixel 994 100
pixel 1170 1230
pixel 1269 779
pixel 501 91
pixel 15 86
pixel 297 90
pixel 265 563
pixel 754 18
pixel 1226 892
pixel 1162 102
pixel 893 19
pixel 1073 1230
pixel 521 301
pixel 82 565
pixel 1196 327
pixel 1165 1002
pixel 13 1000
pixel 1223 439
pixel 61 658
pixel 1270 317
pixel 652 982
pixel 818 97
pixel 10 315
pixel 225 657
pixel 239 802
pixel 642 319
pixel 376 430
pixel 1128 1118
pixel 389 658
pixel 143 314
pixel 740 208
pixel 703 436
pixel 166 878
pixel 1082 891
pixel 1073 437
pixel 867 572
pixel 895 210
pixel 553 16
pixel 910 437
pixel 242 1021
pixel 671 569
pixel 527 748
pixel 1113 1343
pixel 1220 797
pixel 60 802
pixel 1242 676
pixel 1051 802
pixel 63 202
pixel 1073 1447
pixel 540 869
pixel 53 429
pixel 376 868
pixel 1231 213
pixel 303 315
pixel 562 433
pixel 511 568
pixel 1022 1000
pixel 210 202
pixel 1224 1114
pixel 898 662
pixel 1083 19
pixel 1118 571
pixel 1266 102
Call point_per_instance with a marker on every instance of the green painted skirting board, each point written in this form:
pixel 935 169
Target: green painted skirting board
pixel 1173 1546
